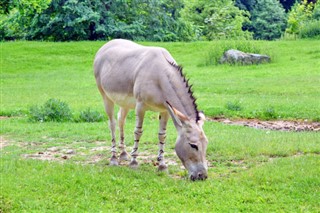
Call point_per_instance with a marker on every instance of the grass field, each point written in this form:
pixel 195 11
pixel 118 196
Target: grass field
pixel 250 170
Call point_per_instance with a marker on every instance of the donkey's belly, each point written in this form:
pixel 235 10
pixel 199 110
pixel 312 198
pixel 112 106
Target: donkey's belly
pixel 123 100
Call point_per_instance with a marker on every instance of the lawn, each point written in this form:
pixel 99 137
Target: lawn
pixel 251 170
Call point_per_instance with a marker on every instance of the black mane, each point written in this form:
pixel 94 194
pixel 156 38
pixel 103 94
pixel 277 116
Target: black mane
pixel 188 87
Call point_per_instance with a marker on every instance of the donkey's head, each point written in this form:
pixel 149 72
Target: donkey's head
pixel 191 144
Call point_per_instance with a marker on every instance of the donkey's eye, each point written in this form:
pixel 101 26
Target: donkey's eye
pixel 194 146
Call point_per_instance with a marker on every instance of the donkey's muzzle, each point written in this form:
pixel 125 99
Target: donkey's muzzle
pixel 202 175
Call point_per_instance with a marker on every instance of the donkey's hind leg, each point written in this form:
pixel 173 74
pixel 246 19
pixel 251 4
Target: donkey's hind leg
pixel 109 108
pixel 122 114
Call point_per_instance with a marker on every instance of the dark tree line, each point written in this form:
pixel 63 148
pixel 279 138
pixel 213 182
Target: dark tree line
pixel 153 20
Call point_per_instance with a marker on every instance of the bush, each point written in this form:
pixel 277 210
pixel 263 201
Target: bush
pixel 52 110
pixel 234 106
pixel 216 19
pixel 89 115
pixel 61 20
pixel 299 14
pixel 310 29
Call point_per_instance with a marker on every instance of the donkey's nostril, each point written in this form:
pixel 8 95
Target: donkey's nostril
pixel 202 176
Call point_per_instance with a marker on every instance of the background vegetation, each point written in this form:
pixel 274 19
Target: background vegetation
pixel 157 20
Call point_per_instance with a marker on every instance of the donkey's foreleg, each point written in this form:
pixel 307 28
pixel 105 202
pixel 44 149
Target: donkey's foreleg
pixel 164 116
pixel 137 133
pixel 122 114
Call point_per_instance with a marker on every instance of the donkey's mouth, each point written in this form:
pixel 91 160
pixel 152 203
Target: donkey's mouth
pixel 198 176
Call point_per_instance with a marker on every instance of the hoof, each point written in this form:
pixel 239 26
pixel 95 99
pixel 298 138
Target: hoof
pixel 124 156
pixel 134 164
pixel 163 168
pixel 114 161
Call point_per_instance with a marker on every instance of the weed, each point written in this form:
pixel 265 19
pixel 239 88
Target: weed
pixel 89 115
pixel 310 30
pixel 52 110
pixel 5 204
pixel 234 106
pixel 268 113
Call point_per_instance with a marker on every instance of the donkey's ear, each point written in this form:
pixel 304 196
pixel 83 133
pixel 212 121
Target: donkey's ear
pixel 202 119
pixel 177 117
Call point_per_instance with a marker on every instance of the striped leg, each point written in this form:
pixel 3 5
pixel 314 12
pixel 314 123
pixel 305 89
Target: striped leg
pixel 137 134
pixel 121 120
pixel 164 116
pixel 109 108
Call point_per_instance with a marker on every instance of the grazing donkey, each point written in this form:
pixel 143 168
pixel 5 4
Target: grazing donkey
pixel 148 78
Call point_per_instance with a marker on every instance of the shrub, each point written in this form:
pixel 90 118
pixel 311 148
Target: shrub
pixel 52 110
pixel 310 29
pixel 299 14
pixel 89 115
pixel 216 19
pixel 234 106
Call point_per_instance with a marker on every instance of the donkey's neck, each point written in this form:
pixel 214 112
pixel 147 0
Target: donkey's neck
pixel 178 92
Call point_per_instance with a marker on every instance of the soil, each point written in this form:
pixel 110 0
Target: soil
pixel 279 125
pixel 3 143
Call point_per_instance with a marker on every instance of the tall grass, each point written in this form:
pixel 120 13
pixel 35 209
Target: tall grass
pixel 214 54
pixel 310 30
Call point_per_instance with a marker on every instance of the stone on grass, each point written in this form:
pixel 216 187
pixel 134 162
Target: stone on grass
pixel 238 57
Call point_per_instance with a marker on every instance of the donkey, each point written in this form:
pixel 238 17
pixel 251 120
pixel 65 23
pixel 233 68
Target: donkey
pixel 148 78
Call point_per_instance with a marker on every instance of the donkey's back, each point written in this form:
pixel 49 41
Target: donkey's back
pixel 124 70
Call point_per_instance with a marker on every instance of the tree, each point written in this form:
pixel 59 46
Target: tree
pixel 304 20
pixel 216 19
pixel 64 20
pixel 245 4
pixel 19 15
pixel 268 19
pixel 298 16
pixel 287 4
pixel 5 6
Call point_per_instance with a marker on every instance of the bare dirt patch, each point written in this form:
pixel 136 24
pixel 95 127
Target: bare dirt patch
pixel 95 155
pixel 3 142
pixel 4 117
pixel 296 126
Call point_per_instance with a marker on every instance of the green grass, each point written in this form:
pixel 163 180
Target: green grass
pixel 250 170
pixel 33 72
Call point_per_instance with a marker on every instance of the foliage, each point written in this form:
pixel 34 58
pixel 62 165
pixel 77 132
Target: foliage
pixel 52 110
pixel 245 4
pixel 61 20
pixel 249 4
pixel 316 11
pixel 287 4
pixel 89 115
pixel 64 20
pixel 311 29
pixel 234 106
pixel 264 25
pixel 216 19
pixel 16 24
pixel 298 16
pixel 5 6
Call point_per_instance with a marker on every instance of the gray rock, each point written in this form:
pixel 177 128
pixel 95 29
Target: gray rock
pixel 238 57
